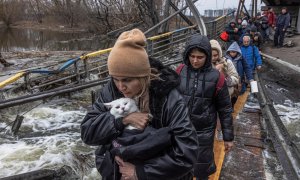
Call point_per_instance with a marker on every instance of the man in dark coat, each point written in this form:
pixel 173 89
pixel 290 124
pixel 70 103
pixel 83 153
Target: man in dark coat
pixel 282 23
pixel 198 86
pixel 232 31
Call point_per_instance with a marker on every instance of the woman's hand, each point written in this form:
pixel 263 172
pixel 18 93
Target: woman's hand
pixel 126 169
pixel 228 145
pixel 137 119
pixel 221 68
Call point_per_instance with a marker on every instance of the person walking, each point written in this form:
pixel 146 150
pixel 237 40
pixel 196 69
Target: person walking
pixel 225 66
pixel 234 54
pixel 206 95
pixel 153 87
pixel 271 22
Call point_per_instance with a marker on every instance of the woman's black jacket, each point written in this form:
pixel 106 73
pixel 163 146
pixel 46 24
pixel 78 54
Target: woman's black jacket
pixel 198 87
pixel 168 109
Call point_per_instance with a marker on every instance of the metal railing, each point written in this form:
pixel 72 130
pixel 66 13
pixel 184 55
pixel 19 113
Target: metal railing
pixel 166 47
pixel 217 26
pixel 82 70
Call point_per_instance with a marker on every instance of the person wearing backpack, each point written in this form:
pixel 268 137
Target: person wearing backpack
pixel 205 92
pixel 251 54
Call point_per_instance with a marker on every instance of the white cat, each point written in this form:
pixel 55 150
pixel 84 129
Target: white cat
pixel 121 108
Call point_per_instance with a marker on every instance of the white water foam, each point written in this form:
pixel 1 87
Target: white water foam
pixel 289 112
pixel 47 118
pixel 59 148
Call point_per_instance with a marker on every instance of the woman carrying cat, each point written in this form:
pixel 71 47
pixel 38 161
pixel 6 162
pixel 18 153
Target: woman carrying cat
pixel 153 87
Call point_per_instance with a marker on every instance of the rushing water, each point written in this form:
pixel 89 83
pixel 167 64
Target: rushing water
pixel 289 113
pixel 49 138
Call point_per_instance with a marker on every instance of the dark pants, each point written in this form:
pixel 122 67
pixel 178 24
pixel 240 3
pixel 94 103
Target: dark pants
pixel 279 33
pixel 205 178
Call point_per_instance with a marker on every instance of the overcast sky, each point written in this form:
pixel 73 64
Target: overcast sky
pixel 220 4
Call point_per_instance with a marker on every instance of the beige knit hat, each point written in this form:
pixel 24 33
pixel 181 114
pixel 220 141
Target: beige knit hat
pixel 128 57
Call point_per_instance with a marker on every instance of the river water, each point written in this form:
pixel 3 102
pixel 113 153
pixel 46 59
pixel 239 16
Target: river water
pixel 39 40
pixel 49 138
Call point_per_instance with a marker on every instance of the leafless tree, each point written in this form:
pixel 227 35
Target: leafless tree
pixel 10 11
pixel 98 15
pixel 37 8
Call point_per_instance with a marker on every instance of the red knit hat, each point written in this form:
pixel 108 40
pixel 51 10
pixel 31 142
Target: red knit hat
pixel 128 57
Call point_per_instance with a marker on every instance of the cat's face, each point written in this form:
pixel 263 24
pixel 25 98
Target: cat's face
pixel 122 107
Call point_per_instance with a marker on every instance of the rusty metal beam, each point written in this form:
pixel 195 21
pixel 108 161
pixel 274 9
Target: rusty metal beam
pixel 49 94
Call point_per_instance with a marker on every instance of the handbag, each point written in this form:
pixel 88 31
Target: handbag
pixel 224 36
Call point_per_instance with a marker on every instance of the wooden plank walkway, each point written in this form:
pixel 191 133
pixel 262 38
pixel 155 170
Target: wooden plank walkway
pixel 219 145
pixel 245 161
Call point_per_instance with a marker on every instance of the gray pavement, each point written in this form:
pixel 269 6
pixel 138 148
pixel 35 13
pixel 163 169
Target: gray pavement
pixel 288 54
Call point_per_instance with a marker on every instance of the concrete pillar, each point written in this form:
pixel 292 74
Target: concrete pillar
pixel 298 22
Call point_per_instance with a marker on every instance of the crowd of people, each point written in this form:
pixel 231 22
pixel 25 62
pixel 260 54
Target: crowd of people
pixel 184 107
pixel 260 28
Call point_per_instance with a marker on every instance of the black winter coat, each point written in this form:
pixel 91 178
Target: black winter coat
pixel 198 86
pixel 233 36
pixel 168 109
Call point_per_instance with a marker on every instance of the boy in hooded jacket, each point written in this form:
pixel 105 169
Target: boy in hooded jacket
pixel 234 54
pixel 198 82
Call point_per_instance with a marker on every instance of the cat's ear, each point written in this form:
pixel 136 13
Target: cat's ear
pixel 107 105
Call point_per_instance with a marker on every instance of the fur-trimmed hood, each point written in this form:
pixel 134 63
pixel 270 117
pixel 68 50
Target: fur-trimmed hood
pixel 216 46
pixel 169 79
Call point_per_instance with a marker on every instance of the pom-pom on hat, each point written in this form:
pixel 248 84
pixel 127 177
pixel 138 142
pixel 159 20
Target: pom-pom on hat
pixel 244 23
pixel 128 57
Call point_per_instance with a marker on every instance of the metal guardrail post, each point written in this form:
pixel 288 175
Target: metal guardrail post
pixel 86 68
pixel 171 49
pixel 151 48
pixel 27 81
pixel 93 96
pixel 76 69
pixel 215 29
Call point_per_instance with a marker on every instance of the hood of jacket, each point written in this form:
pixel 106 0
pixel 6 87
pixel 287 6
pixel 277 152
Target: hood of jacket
pixel 234 47
pixel 169 79
pixel 232 21
pixel 200 42
pixel 215 45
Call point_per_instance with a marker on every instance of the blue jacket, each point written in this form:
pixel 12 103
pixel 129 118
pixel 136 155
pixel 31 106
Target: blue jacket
pixel 252 56
pixel 239 62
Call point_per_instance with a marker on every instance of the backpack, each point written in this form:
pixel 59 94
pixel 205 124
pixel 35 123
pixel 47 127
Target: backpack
pixel 220 82
pixel 224 36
